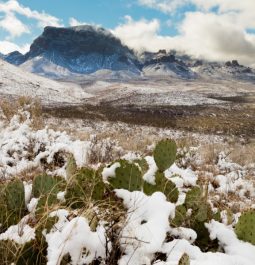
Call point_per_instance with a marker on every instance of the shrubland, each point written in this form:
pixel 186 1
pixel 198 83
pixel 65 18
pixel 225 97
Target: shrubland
pixel 93 201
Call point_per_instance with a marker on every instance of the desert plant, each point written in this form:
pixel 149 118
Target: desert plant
pixel 245 228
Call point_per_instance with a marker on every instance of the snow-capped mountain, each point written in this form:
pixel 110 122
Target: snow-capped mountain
pixel 76 50
pixel 93 52
pixel 228 70
pixel 171 64
pixel 165 64
pixel 15 82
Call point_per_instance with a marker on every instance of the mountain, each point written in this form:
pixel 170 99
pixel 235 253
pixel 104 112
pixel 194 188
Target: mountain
pixel 82 52
pixel 182 66
pixel 165 64
pixel 76 50
pixel 15 82
pixel 15 58
pixel 227 70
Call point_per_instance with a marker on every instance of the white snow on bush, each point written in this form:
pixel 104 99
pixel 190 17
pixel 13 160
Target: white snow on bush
pixel 76 239
pixel 188 177
pixel 146 225
pixel 20 233
pixel 109 172
pixel 149 176
pixel 22 148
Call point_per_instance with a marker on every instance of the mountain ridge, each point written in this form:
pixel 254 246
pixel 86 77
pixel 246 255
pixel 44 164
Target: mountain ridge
pixel 62 53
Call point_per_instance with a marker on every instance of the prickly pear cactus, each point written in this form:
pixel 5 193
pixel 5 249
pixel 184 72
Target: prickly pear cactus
pixel 184 260
pixel 84 186
pixel 128 176
pixel 180 216
pixel 46 189
pixel 193 197
pixel 149 189
pixel 245 228
pixel 12 203
pixel 71 167
pixel 165 154
pixel 170 190
pixel 163 185
pixel 46 185
pixel 142 164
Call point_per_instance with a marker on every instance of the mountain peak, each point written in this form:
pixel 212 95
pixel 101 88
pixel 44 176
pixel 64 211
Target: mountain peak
pixel 82 50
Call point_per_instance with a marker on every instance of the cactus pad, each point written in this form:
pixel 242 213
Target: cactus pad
pixel 85 185
pixel 165 154
pixel 245 228
pixel 128 176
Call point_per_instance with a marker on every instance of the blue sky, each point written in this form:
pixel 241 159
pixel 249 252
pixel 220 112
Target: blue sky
pixel 213 29
pixel 108 13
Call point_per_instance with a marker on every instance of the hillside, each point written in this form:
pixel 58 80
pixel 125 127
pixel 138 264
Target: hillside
pixel 15 82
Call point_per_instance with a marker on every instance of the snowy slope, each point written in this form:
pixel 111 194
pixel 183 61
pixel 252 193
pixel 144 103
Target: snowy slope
pixel 16 82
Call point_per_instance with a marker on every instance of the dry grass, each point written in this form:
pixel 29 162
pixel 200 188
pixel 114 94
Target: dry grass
pixel 243 154
pixel 10 108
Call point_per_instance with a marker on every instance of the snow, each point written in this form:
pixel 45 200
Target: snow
pixel 28 191
pixel 73 237
pixel 20 233
pixel 178 175
pixel 149 176
pixel 16 82
pixel 184 233
pixel 18 138
pixel 147 225
pixel 110 171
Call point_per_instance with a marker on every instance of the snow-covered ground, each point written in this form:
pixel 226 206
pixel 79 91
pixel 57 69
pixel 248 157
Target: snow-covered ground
pixel 146 227
pixel 168 92
pixel 15 82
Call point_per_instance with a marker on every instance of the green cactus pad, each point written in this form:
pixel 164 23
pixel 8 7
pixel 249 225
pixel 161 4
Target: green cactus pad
pixel 180 216
pixel 128 176
pixel 149 189
pixel 46 189
pixel 163 185
pixel 170 190
pixel 45 185
pixel 245 228
pixel 143 165
pixel 12 203
pixel 165 154
pixel 84 186
pixel 193 197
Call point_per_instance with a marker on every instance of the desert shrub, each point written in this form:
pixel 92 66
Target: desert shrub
pixel 23 104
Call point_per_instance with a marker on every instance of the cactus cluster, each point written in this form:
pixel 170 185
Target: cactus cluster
pixel 12 203
pixel 201 213
pixel 83 186
pixel 245 228
pixel 46 189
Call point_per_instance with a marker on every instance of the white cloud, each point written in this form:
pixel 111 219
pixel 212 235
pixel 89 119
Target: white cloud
pixel 203 35
pixel 139 35
pixel 73 22
pixel 7 47
pixel 13 25
pixel 43 19
pixel 166 6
